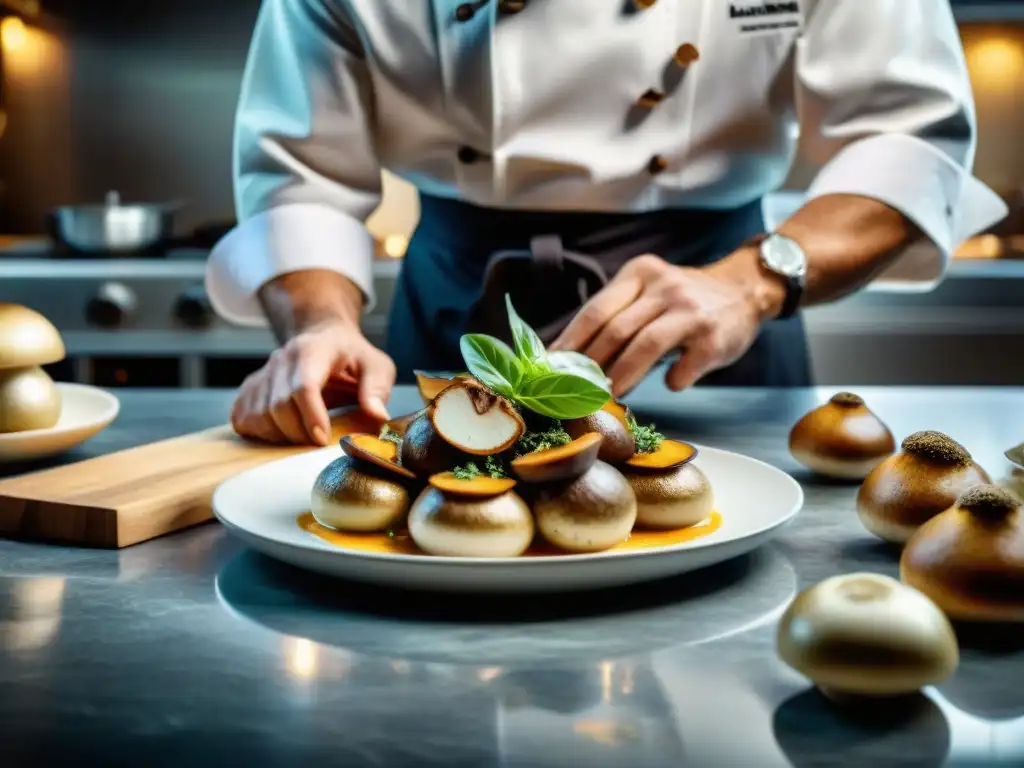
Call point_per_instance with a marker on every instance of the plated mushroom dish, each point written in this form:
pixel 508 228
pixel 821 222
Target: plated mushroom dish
pixel 526 453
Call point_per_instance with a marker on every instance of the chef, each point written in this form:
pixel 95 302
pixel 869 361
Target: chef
pixel 602 162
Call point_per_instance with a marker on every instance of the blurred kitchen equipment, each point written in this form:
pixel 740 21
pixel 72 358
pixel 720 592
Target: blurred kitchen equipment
pixel 114 227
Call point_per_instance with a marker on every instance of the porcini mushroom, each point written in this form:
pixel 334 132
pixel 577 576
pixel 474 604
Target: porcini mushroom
pixel 594 512
pixel 563 462
pixel 866 634
pixel 458 525
pixel 843 439
pixel 612 423
pixel 425 452
pixel 908 489
pixel 27 338
pixel 475 420
pixel 677 498
pixel 359 496
pixel 970 559
pixel 28 397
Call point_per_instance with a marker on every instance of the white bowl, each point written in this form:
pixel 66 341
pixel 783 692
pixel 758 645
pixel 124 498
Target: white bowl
pixel 85 411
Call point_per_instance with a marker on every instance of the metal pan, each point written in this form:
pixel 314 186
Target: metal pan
pixel 114 227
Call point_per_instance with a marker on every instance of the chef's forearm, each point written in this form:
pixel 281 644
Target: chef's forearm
pixel 848 239
pixel 298 301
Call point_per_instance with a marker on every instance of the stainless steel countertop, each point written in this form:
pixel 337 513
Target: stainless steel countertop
pixel 190 650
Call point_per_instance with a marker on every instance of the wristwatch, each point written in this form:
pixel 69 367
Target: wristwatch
pixel 784 257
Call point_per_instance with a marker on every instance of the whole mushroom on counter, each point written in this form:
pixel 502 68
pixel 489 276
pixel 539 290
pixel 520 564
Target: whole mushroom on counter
pixel 842 439
pixel 29 399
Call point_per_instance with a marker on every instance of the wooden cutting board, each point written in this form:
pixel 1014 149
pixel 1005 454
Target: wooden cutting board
pixel 138 494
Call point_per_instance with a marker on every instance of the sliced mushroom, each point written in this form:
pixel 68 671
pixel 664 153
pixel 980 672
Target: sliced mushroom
pixel 612 423
pixel 350 495
pixel 842 439
pixel 425 452
pixel 670 454
pixel 400 424
pixel 481 486
pixel 594 512
pixel 678 498
pixel 28 400
pixel 431 383
pixel 27 338
pixel 457 525
pixel 563 462
pixel 970 559
pixel 908 489
pixel 475 420
pixel 381 453
pixel 868 635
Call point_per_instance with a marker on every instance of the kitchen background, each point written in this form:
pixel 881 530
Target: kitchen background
pixel 139 98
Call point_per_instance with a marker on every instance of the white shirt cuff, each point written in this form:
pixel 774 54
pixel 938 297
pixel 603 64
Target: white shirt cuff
pixel 288 238
pixel 945 201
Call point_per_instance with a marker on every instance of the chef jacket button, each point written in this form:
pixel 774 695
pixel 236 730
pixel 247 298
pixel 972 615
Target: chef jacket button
pixel 511 6
pixel 466 11
pixel 650 98
pixel 641 4
pixel 656 165
pixel 468 155
pixel 686 54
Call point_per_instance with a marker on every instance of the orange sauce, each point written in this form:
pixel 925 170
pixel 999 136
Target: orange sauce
pixel 400 543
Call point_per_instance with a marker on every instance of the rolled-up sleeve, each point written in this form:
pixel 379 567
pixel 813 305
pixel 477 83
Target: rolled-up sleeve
pixel 885 91
pixel 306 173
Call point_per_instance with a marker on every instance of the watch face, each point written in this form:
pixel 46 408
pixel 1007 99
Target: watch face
pixel 784 256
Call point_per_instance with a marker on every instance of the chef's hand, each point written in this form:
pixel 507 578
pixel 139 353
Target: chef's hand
pixel 325 366
pixel 652 308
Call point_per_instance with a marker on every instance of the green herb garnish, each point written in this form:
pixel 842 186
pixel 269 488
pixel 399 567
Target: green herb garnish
pixel 470 470
pixel 386 433
pixel 532 442
pixel 559 385
pixel 467 471
pixel 495 468
pixel 648 439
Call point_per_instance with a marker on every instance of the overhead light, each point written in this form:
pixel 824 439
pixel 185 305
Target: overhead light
pixel 13 33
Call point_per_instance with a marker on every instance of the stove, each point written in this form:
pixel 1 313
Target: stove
pixel 142 321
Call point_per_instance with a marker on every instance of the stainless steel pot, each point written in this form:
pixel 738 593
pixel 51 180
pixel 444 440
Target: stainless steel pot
pixel 114 227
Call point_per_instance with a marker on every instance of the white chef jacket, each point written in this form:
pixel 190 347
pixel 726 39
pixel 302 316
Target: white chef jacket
pixel 589 105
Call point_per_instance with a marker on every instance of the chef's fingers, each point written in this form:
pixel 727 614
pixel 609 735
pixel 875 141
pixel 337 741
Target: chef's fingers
pixel 691 366
pixel 256 421
pixel 378 377
pixel 280 405
pixel 608 302
pixel 618 332
pixel 309 373
pixel 643 353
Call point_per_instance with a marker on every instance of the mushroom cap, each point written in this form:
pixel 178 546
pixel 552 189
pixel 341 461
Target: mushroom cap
pixel 610 422
pixel 970 559
pixel 28 400
pixel 594 512
pixel 350 495
pixel 910 488
pixel 424 452
pixel 842 438
pixel 452 525
pixel 867 634
pixel 27 338
pixel 678 498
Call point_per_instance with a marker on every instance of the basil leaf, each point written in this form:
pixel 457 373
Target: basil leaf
pixel 562 396
pixel 580 365
pixel 529 348
pixel 492 363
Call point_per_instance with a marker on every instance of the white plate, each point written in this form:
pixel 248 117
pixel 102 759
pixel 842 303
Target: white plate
pixel 85 411
pixel 261 506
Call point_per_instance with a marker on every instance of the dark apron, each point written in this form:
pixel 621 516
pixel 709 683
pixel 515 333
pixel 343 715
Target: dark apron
pixel 462 260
